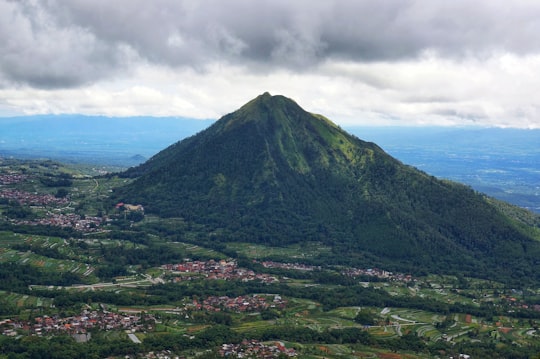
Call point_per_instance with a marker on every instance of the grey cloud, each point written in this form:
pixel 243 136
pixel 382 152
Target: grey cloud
pixel 423 99
pixel 37 51
pixel 470 115
pixel 58 43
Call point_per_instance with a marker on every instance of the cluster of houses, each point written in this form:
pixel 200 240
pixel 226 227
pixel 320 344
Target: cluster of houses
pixel 12 178
pixel 79 324
pixel 129 207
pixel 226 270
pixel 75 221
pixel 518 303
pixel 71 220
pixel 164 354
pixel 32 199
pixel 239 304
pixel 255 349
pixel 293 266
pixel 379 273
pixel 351 272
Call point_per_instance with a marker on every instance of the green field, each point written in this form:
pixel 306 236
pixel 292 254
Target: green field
pixel 293 252
pixel 120 268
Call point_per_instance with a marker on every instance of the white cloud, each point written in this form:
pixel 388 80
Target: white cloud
pixel 430 91
pixel 357 62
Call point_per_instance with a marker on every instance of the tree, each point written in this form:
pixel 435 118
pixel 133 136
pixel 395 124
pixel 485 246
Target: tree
pixel 61 193
pixel 365 317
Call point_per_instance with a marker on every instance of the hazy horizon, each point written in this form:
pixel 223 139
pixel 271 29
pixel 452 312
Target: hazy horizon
pixel 501 162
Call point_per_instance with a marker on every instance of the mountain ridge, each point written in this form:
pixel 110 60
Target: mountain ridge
pixel 273 173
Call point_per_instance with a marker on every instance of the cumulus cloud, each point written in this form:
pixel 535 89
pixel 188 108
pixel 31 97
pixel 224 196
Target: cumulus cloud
pixel 38 52
pixel 66 43
pixel 415 60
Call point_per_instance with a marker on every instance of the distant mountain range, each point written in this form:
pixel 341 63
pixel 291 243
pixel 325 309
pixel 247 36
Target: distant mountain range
pixel 122 142
pixel 275 174
pixel 504 163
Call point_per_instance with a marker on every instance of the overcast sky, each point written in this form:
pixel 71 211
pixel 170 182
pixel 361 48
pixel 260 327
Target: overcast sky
pixel 374 62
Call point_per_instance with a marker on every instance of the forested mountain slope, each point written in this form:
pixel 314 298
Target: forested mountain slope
pixel 276 174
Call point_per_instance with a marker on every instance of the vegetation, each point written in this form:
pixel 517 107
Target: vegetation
pixel 271 226
pixel 273 174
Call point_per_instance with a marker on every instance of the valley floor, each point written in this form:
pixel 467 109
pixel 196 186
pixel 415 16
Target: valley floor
pixel 76 268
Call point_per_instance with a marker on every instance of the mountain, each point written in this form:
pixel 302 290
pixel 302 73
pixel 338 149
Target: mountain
pixel 275 174
pixel 500 162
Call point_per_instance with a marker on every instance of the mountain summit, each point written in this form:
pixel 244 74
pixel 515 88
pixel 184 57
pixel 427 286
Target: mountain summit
pixel 273 173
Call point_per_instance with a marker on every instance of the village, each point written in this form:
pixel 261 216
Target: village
pixel 136 322
pixel 53 207
pixel 226 270
pixel 12 178
pixel 53 215
pixel 131 319
pixel 254 348
pixel 377 273
pixel 293 266
pixel 32 199
pixel 80 324
pixel 84 224
pixel 349 272
pixel 245 303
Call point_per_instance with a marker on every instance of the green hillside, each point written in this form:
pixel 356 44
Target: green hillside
pixel 275 174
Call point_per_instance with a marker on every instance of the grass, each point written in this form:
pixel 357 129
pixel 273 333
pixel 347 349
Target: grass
pixel 197 251
pixel 9 238
pixel 294 252
pixel 23 301
pixel 247 327
pixel 46 263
